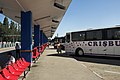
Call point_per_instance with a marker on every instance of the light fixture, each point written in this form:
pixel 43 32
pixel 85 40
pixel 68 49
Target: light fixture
pixel 55 21
pixel 58 5
pixel 1 11
pixel 52 30
pixel 53 27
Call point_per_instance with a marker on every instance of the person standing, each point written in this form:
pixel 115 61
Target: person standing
pixel 59 48
pixel 17 47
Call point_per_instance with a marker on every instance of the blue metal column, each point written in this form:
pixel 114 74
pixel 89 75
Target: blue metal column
pixel 36 35
pixel 26 35
pixel 41 37
pixel 46 40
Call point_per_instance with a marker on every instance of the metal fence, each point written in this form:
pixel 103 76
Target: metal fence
pixel 7 44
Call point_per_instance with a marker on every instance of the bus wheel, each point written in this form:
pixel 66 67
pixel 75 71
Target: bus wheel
pixel 79 52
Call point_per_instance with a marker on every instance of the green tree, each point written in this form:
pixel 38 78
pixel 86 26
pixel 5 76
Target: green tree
pixel 5 26
pixel 5 29
pixel 0 28
pixel 12 28
pixel 12 25
pixel 8 31
pixel 5 22
pixel 0 24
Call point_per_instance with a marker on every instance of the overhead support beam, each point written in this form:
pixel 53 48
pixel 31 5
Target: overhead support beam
pixel 49 34
pixel 45 27
pixel 52 31
pixel 18 17
pixel 23 9
pixel 47 31
pixel 26 35
pixel 48 27
pixel 42 18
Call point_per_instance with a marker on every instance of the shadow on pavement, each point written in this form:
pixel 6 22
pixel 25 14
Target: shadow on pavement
pixel 4 58
pixel 50 48
pixel 92 59
pixel 35 65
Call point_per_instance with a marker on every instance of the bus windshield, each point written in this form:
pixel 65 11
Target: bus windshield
pixel 67 38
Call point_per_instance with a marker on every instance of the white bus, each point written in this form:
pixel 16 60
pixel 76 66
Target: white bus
pixel 99 41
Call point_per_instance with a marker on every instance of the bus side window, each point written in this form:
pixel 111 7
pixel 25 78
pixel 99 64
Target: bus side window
pixel 97 35
pixel 113 34
pixel 89 35
pixel 82 37
pixel 117 35
pixel 110 34
pixel 78 36
pixel 104 35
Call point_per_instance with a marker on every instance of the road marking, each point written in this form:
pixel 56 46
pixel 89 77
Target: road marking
pixel 97 74
pixel 84 65
pixel 93 71
pixel 112 72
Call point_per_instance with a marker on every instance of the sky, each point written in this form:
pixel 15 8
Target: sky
pixel 87 14
pixel 2 18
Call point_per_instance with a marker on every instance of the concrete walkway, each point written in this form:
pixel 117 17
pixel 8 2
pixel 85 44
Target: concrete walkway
pixel 52 66
pixel 2 50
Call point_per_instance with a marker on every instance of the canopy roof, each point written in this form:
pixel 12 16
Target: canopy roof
pixel 46 13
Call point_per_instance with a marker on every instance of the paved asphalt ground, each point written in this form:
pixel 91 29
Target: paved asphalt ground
pixel 53 66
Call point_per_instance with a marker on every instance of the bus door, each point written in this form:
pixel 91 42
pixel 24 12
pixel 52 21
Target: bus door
pixel 67 42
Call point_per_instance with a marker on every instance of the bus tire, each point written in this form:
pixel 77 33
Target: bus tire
pixel 79 52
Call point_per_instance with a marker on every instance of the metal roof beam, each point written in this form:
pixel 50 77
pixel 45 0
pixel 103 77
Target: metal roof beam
pixel 42 18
